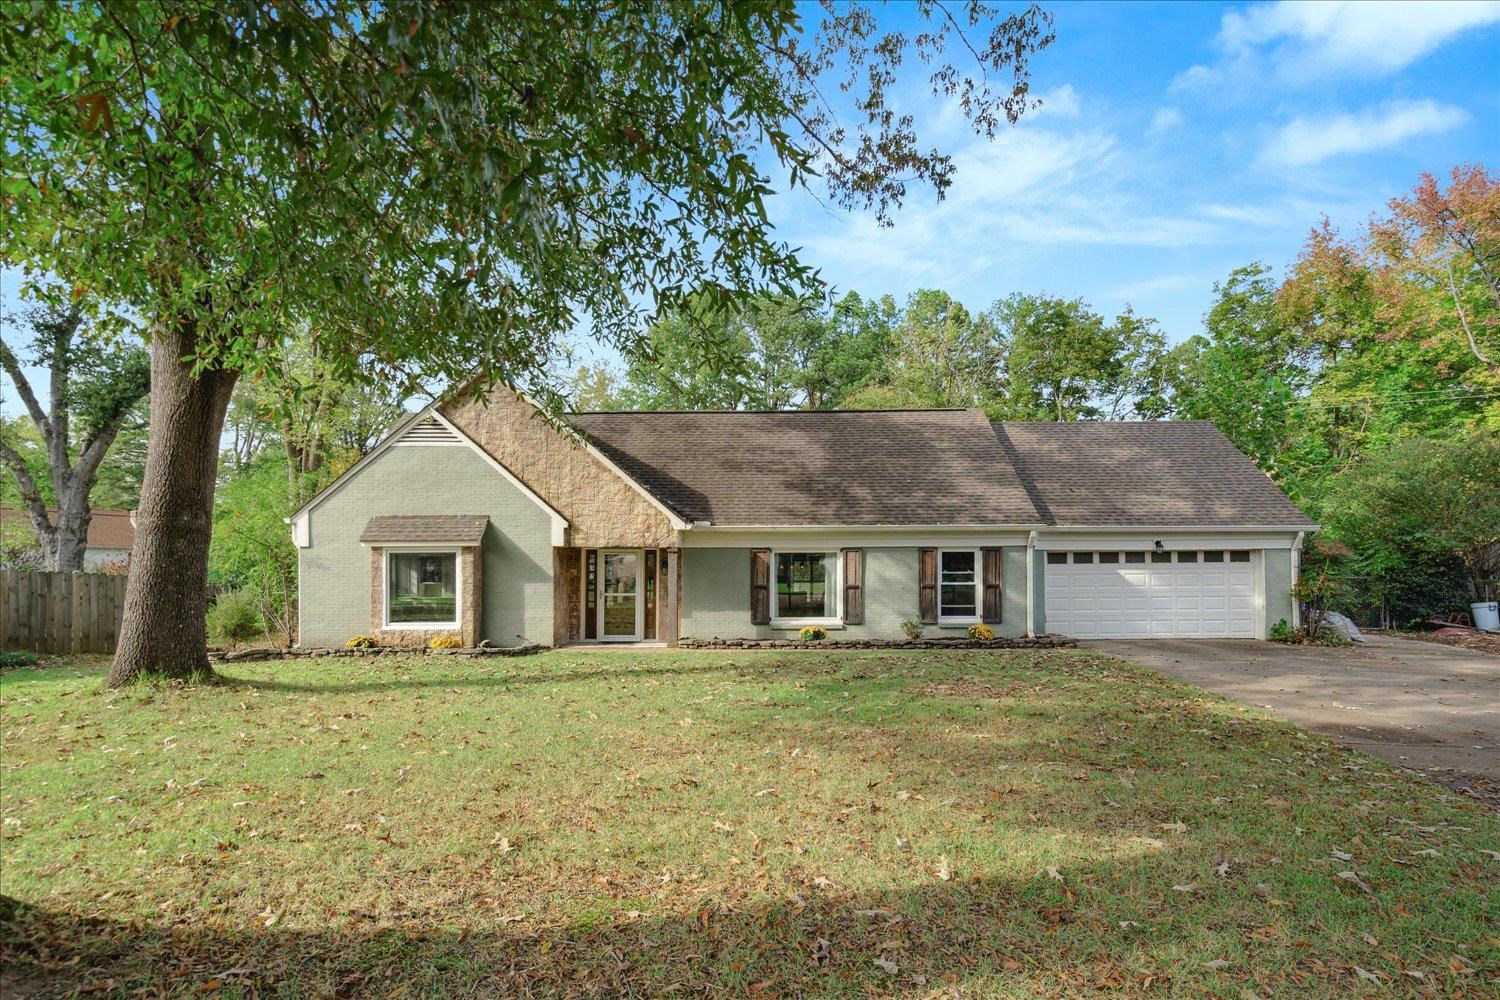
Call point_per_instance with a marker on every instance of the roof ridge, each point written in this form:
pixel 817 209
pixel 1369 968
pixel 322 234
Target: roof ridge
pixel 789 413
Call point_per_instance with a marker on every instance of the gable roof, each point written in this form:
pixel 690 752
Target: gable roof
pixel 1143 473
pixel 108 528
pixel 809 467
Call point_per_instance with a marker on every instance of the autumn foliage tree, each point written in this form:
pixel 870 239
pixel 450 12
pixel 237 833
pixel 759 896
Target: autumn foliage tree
pixel 433 186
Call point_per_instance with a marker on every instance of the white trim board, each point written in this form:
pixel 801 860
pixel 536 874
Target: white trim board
pixel 1136 540
pixel 807 539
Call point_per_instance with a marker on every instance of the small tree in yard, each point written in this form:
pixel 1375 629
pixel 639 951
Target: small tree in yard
pixel 435 188
pixel 1424 497
pixel 92 389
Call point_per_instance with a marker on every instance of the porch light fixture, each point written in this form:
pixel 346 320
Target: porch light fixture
pixel 1159 546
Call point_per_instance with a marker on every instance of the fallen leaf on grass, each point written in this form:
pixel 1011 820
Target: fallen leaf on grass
pixel 1177 827
pixel 1054 874
pixel 1363 885
pixel 265 918
pixel 1217 963
pixel 887 966
pixel 1185 888
pixel 1340 855
pixel 944 870
pixel 1366 974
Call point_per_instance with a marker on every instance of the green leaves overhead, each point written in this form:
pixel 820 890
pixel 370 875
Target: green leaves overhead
pixel 438 187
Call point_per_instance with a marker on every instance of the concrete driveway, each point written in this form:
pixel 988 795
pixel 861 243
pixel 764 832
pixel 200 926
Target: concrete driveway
pixel 1431 708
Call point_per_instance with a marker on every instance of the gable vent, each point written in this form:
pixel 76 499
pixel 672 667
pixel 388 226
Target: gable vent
pixel 428 432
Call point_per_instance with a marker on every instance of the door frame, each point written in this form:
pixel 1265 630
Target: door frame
pixel 640 595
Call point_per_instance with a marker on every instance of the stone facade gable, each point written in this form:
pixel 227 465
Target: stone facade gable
pixel 603 509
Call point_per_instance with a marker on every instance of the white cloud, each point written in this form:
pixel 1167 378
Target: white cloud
pixel 1060 102
pixel 1165 120
pixel 1356 36
pixel 1304 141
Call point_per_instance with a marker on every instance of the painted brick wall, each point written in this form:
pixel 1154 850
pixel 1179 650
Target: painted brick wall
pixel 716 595
pixel 1278 586
pixel 517 549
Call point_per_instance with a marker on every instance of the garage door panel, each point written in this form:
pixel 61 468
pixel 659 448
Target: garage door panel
pixel 1191 599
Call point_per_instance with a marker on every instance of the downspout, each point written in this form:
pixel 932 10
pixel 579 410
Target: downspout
pixel 1296 574
pixel 1030 582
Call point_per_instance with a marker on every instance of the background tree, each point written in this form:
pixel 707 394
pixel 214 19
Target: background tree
pixel 93 389
pixel 435 187
pixel 941 354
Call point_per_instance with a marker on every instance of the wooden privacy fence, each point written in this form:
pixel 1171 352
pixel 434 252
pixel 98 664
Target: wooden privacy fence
pixel 60 612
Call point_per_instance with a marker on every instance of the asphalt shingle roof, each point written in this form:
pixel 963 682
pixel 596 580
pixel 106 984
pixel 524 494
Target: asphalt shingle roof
pixel 817 467
pixel 457 529
pixel 1147 473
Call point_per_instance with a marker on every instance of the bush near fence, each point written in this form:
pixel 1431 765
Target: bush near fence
pixel 60 612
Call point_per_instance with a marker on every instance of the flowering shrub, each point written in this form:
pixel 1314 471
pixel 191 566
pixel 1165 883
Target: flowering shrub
pixel 362 642
pixel 980 630
pixel 812 633
pixel 445 642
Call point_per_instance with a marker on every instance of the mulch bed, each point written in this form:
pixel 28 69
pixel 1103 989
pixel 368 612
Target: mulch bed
pixel 1479 642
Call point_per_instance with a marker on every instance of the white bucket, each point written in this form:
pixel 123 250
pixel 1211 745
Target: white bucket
pixel 1486 615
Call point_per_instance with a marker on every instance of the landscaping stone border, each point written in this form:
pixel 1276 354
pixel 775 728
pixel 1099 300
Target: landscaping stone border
pixel 1048 641
pixel 300 653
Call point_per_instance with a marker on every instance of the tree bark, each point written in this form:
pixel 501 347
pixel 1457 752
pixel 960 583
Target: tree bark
pixel 163 635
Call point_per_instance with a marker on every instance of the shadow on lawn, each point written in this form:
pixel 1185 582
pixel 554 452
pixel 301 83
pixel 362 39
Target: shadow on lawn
pixel 818 940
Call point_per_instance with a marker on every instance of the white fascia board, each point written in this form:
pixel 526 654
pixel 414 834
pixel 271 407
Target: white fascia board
pixel 1172 539
pixel 559 523
pixel 1161 529
pixel 855 536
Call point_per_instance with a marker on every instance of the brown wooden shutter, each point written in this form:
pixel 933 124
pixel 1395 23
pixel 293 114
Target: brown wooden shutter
pixel 927 573
pixel 854 586
pixel 760 586
pixel 994 591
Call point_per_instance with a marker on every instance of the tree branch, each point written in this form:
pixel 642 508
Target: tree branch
pixel 30 494
pixel 1463 319
pixel 12 366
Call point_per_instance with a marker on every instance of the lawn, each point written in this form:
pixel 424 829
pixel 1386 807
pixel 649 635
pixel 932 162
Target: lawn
pixel 1006 823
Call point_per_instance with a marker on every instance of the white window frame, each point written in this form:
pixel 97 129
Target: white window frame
pixel 422 550
pixel 831 579
pixel 978 590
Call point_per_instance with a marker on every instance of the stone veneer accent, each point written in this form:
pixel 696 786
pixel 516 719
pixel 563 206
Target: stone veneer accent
pixel 567 596
pixel 603 509
pixel 470 608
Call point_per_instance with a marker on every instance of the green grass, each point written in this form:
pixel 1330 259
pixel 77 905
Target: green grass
pixel 1005 823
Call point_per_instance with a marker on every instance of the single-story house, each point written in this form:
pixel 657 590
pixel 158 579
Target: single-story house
pixel 109 539
pixel 481 518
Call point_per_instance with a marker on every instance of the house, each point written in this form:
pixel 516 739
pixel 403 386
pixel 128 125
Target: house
pixel 110 537
pixel 482 518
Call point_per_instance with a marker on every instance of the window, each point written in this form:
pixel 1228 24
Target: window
pixel 1160 557
pixel 1213 557
pixel 1082 557
pixel 958 585
pixel 1183 557
pixel 1135 557
pixel 806 586
pixel 421 589
pixel 1056 558
pixel 1109 557
pixel 1241 556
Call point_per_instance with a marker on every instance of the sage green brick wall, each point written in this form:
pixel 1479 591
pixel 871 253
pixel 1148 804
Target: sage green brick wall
pixel 1278 573
pixel 1039 591
pixel 517 547
pixel 716 596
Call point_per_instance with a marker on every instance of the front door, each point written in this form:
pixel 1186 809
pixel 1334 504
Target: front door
pixel 620 595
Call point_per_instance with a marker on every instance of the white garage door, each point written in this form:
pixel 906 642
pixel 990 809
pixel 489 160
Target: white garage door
pixel 1142 595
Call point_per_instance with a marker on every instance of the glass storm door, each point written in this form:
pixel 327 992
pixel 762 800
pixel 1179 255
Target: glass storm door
pixel 620 596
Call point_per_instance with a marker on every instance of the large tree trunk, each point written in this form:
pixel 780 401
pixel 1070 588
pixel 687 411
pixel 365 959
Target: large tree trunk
pixel 164 635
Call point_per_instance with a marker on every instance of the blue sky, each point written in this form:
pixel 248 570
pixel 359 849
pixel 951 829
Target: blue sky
pixel 1176 142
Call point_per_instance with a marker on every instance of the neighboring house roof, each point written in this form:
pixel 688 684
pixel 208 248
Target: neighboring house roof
pixel 1147 473
pixel 108 528
pixel 809 467
pixel 460 529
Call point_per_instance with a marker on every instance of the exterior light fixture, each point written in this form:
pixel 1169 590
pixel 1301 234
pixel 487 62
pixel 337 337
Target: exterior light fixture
pixel 1159 546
